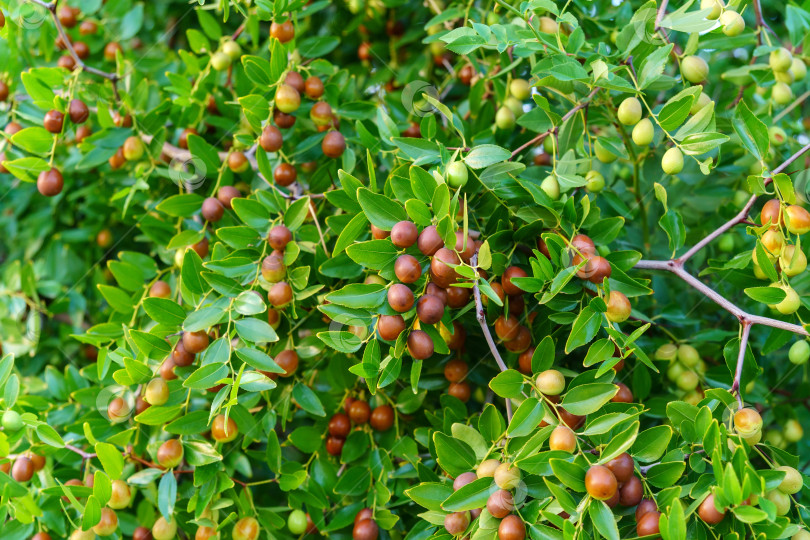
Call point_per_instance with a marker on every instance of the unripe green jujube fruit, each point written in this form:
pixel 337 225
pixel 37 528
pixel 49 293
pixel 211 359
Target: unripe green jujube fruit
pixel 781 93
pixel 780 500
pixel 688 380
pixel 716 7
pixel 232 49
pixel 602 154
pixel 505 118
pixel 629 111
pixel 701 101
pixel 457 174
pixel 12 421
pixel 688 355
pixel 220 61
pixel 799 352
pixel 595 181
pixel 792 482
pixel 694 69
pixel 780 59
pixel 520 89
pixel 672 162
pixel 733 23
pixel 643 132
pixel 793 431
pixel 798 69
pixel 515 105
pixel 667 351
pixel 551 382
pixel 551 187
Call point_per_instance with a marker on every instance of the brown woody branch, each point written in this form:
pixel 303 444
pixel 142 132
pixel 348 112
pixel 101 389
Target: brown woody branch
pixel 747 320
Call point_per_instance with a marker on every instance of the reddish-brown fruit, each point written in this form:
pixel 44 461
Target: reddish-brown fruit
pixel 142 533
pixel 122 120
pixel 295 80
pixel 81 49
pixel 284 174
pixel 708 512
pixel 429 309
pixel 413 131
pixel 41 535
pixel 455 370
pixel 622 467
pixel 182 357
pixel 420 346
pixel 167 370
pixel 280 294
pixel 238 162
pixel 511 528
pixel 67 16
pixel 82 132
pixel 507 328
pixel 12 128
pixel 457 522
pixel 313 87
pixel 429 241
pixel 110 51
pixel 359 411
pixel 366 529
pixel 321 114
pixel 288 361
pixel 66 62
pixel 226 195
pixel 50 183
pixel 78 111
pixel 340 425
pixel 624 395
pixel 631 492
pixel 501 503
pixel 404 234
pixel 600 482
pixel 525 361
pixel 118 410
pixel 522 341
pixel 460 390
pixel 390 326
pixel 571 420
pixel 595 270
pixel 463 479
pixel 400 298
pixel 771 213
pixel 195 342
pixel 382 418
pixel 583 244
pixel 222 430
pixel 465 246
pixel 542 159
pixel 271 139
pixel 506 280
pixel 22 470
pixel 458 297
pixel 466 74
pixel 363 514
pixel 333 145
pixel 562 439
pixel 648 524
pixel 407 268
pixel 182 140
pixel 53 121
pixel 283 32
pixel 334 445
pixel 201 248
pixel 279 237
pixel 170 454
pixel 212 210
pixel 379 234
pixel 364 51
pixel 283 120
pixel 87 28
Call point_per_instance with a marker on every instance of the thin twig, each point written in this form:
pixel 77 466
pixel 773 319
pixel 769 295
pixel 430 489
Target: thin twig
pixel 539 138
pixel 735 387
pixel 482 320
pixel 82 453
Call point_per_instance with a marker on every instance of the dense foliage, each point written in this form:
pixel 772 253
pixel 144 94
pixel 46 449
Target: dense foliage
pixel 390 269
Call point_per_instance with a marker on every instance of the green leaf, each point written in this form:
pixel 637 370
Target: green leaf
pixel 454 456
pixel 526 418
pixel 473 495
pixel 584 328
pixel 430 495
pixel 603 519
pixel 308 400
pixel 751 130
pixel 507 384
pixel 485 155
pixel 381 211
pixel 766 295
pixel 588 398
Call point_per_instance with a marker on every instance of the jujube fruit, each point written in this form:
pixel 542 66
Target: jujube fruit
pixel 321 113
pixel 390 326
pixel 280 294
pixel 629 112
pixel 283 32
pixel 288 361
pixel 429 241
pixel 22 470
pixel 600 482
pixel 238 162
pixel 334 445
pixel 382 418
pixel 212 210
pixel 297 522
pixel 50 182
pixel 457 297
pixel 507 476
pixel 340 425
pixel 455 370
pixel 563 439
pixel 500 503
pixel 457 522
pixel 400 298
pixel 404 234
pixel 429 309
pixel 223 430
pixel 195 342
pixel 107 524
pixel 111 49
pixel 365 529
pixel 273 268
pixel 507 328
pixel 181 356
pixel 164 530
pixel 333 144
pixel 278 237
pixel 53 121
pixel 647 524
pixel 624 395
pixel 694 69
pixel 522 340
pixel 622 467
pixel 170 454
pixel 160 289
pixel 78 111
pixel 463 479
pixel 226 195
pixel 284 174
pixel 506 280
pixel 631 492
pixel 551 382
pixel 511 528
pixel 271 139
pixel 618 307
pixel 246 528
pixel 420 345
pixel 708 512
pixel 407 268
pixel 460 390
pixel 313 87
pixel 118 410
pixel 359 411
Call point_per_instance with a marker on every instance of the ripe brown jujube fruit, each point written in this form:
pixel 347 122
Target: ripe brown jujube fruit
pixel 66 62
pixel 78 111
pixel 379 234
pixel 413 131
pixel 81 49
pixel 463 479
pixel 283 32
pixel 600 482
pixel 501 503
pixel 382 418
pixel 460 390
pixel 364 51
pixel 22 470
pixel 12 128
pixel 195 342
pixel 288 361
pixel 227 194
pixel 404 234
pixel 142 533
pixel 295 80
pixel 771 213
pixel 708 512
pixel 631 492
pixel 41 535
pixel 50 183
pixel 333 145
pixel 583 244
pixel 644 507
pixel 506 280
pixel 465 249
pixel 284 174
pixel 278 237
pixel 201 248
pixel 366 529
pixel 457 522
pixel 110 51
pixel 340 425
pixel 458 297
pixel 438 292
pixel 429 309
pixel 507 328
pixel 212 210
pixel 118 410
pixel 53 121
pixel 271 139
pixel 455 370
pixel 280 294
pixel 321 114
pixel 4 91
pixel 420 346
pixel 525 361
pixel 167 370
pixel 571 420
pixel 455 341
pixel 363 514
pixel 182 140
pixel 624 395
pixel 334 445
pixel 283 120
pixel 465 74
pixel 622 467
pixel 390 326
pixel 359 411
pixel 596 269
pixel 407 268
pixel 521 342
pixel 613 501
pixel 511 528
pixel 429 241
pixel 648 524
pixel 439 265
pixel 67 16
pixel 238 162
pixel 180 356
pixel 400 298
pixel 82 132
pixel 313 87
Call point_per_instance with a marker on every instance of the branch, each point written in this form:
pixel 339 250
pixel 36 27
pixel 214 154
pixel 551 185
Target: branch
pixel 482 320
pixel 735 388
pixel 761 24
pixel 554 130
pixel 662 10
pixel 82 453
